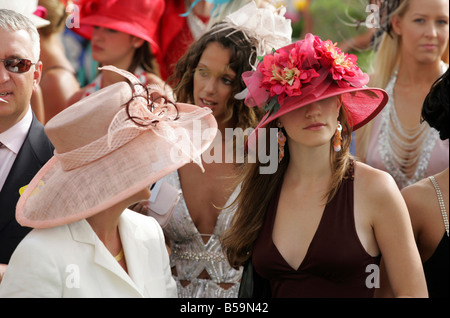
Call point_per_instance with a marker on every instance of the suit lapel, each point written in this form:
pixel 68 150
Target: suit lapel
pixel 83 233
pixel 135 253
pixel 34 153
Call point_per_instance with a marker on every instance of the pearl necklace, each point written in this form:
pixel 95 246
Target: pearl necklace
pixel 404 152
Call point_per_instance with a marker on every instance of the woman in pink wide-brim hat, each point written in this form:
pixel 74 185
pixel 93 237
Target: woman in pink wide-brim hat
pixel 109 149
pixel 317 224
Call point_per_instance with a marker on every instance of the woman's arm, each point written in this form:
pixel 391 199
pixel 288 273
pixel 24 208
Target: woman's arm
pixel 393 232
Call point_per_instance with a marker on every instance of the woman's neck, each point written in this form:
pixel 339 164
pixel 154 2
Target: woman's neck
pixel 309 164
pixel 105 224
pixel 415 74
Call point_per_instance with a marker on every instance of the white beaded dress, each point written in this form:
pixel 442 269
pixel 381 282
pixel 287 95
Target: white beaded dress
pixel 190 255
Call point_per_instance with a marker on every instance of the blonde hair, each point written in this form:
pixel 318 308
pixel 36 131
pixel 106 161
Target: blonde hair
pixel 385 63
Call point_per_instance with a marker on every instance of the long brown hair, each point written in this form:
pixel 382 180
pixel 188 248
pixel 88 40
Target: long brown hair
pixel 257 190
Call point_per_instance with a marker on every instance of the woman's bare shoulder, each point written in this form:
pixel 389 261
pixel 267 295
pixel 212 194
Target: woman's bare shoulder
pixel 374 180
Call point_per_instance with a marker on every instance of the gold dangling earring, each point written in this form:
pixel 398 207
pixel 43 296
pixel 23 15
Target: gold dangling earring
pixel 281 143
pixel 337 137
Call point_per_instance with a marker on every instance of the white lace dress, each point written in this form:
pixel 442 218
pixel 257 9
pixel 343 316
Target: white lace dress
pixel 190 255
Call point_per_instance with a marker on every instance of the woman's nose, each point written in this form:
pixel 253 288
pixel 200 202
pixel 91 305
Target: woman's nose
pixel 312 110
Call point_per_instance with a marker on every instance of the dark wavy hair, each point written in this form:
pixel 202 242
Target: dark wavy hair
pixel 243 52
pixel 436 106
pixel 143 57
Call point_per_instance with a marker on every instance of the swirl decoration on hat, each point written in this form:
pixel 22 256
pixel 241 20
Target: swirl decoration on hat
pixel 147 111
pixel 150 109
pixel 306 67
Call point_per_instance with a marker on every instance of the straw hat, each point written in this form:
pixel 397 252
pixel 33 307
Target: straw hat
pixel 135 17
pixel 306 71
pixel 109 146
pixel 27 8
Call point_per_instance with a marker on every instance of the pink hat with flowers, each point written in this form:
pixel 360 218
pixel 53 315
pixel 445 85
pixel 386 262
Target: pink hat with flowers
pixel 135 17
pixel 109 146
pixel 307 71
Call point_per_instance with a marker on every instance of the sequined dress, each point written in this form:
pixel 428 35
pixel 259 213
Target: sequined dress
pixel 432 157
pixel 190 255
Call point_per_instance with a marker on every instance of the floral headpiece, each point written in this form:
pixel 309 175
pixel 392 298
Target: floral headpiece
pixel 266 27
pixel 305 67
pixel 307 71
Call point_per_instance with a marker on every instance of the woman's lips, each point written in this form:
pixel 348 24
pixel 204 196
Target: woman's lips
pixel 206 103
pixel 96 48
pixel 315 126
pixel 429 47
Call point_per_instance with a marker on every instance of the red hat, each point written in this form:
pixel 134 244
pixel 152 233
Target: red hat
pixel 310 70
pixel 135 17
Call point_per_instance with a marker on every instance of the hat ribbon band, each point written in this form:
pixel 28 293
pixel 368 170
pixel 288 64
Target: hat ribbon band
pixel 122 130
pixel 135 119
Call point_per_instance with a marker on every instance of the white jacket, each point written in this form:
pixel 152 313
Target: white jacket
pixel 71 261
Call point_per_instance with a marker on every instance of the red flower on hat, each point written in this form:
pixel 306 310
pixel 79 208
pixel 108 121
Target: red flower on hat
pixel 306 67
pixel 283 74
pixel 343 68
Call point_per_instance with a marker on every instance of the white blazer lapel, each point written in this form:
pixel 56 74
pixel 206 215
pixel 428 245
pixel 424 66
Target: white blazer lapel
pixel 83 233
pixel 136 254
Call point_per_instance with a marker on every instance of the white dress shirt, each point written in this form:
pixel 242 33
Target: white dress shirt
pixel 12 141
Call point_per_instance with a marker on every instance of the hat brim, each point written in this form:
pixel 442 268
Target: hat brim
pixel 55 197
pixel 362 105
pixel 129 27
pixel 38 21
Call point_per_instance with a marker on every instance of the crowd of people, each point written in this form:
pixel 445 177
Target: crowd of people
pixel 130 184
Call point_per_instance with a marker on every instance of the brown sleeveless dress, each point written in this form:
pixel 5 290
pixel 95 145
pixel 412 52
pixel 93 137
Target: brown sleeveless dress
pixel 336 263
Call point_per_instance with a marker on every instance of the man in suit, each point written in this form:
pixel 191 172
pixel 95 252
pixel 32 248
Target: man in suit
pixel 24 146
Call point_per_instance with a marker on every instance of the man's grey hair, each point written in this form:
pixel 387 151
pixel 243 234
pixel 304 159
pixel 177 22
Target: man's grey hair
pixel 14 21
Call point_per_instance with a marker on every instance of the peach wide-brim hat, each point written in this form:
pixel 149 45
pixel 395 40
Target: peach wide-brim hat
pixel 109 146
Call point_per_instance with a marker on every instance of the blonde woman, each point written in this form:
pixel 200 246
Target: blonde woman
pixel 412 54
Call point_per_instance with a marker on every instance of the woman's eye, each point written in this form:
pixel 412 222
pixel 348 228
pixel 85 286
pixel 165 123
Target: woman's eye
pixel 227 81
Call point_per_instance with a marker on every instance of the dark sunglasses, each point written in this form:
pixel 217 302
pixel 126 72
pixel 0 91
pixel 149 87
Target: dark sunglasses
pixel 17 65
